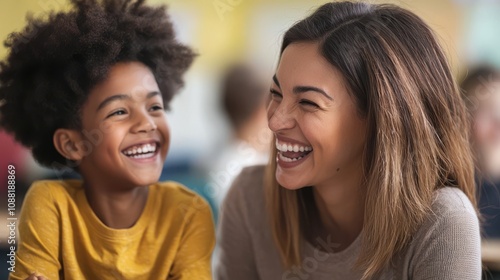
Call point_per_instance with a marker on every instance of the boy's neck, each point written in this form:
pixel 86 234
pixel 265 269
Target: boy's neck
pixel 117 209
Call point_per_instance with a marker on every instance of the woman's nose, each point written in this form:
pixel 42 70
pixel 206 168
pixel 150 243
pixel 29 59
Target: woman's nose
pixel 280 117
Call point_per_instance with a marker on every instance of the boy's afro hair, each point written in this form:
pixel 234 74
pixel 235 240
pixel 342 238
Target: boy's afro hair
pixel 55 62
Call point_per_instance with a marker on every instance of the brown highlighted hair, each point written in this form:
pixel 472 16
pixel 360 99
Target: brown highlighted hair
pixel 417 126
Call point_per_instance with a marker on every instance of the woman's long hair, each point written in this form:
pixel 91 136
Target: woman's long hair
pixel 417 126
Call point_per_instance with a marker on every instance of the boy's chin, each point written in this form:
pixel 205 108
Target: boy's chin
pixel 140 182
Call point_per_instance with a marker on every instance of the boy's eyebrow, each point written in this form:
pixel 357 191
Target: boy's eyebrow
pixel 111 99
pixel 121 97
pixel 153 94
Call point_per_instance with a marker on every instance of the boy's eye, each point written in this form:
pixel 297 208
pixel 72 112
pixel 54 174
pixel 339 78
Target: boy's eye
pixel 156 108
pixel 117 113
pixel 308 103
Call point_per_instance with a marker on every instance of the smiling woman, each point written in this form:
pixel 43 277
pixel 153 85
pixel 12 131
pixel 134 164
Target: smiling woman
pixel 309 94
pixel 372 175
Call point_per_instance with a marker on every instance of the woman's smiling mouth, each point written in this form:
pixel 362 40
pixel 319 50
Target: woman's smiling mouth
pixel 291 153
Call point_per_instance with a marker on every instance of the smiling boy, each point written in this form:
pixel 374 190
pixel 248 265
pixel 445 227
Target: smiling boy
pixel 89 90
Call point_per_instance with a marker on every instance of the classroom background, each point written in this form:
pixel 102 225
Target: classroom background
pixel 225 33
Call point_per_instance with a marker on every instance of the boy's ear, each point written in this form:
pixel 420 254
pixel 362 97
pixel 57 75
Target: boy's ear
pixel 67 143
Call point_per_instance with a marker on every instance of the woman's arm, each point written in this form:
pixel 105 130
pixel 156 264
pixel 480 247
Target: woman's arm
pixel 39 235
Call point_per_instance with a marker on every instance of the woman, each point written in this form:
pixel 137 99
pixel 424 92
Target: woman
pixel 372 175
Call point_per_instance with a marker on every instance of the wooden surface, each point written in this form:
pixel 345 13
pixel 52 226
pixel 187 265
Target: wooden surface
pixel 491 254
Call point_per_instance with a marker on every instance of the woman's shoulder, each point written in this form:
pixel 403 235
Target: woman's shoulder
pixel 245 197
pixel 447 244
pixel 248 185
pixel 450 235
pixel 253 173
pixel 452 214
pixel 451 201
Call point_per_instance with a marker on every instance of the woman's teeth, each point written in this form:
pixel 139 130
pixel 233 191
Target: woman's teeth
pixel 292 152
pixel 287 159
pixel 286 147
pixel 141 151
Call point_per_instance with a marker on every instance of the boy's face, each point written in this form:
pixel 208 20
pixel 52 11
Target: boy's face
pixel 125 121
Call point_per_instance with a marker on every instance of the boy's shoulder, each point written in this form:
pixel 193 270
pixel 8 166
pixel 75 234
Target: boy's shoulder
pixel 53 194
pixel 175 193
pixel 175 204
pixel 173 188
pixel 55 187
pixel 168 193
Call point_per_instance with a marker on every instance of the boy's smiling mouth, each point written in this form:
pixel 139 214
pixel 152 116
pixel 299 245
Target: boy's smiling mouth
pixel 141 151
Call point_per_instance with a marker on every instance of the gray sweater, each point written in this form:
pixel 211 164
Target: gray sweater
pixel 447 245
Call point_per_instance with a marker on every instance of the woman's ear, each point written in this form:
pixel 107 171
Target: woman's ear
pixel 66 142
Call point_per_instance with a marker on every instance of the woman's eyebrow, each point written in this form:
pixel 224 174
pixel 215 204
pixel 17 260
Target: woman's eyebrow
pixel 302 89
pixel 275 79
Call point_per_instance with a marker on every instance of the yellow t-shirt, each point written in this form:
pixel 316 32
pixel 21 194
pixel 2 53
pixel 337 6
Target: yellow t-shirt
pixel 62 238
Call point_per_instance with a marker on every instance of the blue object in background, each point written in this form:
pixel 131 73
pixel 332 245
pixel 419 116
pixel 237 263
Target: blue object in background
pixel 489 206
pixel 182 171
pixel 481 40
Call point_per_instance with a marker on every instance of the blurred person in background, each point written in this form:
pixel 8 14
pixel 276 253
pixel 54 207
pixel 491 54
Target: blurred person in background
pixel 481 91
pixel 243 92
pixel 13 153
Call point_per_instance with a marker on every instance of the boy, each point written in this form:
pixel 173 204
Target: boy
pixel 87 89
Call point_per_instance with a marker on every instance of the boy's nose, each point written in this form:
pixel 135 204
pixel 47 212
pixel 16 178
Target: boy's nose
pixel 144 123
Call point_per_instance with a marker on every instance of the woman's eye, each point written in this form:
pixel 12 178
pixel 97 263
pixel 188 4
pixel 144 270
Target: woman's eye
pixel 308 103
pixel 275 94
pixel 117 113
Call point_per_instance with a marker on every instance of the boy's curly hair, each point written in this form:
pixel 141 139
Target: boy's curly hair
pixel 54 63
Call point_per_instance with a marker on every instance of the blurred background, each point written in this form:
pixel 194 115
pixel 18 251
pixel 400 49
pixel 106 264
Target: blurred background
pixel 248 32
pixel 241 38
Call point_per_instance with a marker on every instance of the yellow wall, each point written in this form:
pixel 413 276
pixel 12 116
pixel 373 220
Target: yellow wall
pixel 13 14
pixel 220 22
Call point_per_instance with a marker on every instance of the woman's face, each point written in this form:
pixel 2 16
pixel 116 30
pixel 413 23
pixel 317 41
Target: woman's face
pixel 319 132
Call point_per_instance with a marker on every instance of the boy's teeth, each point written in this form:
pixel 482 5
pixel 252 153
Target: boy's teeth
pixel 140 150
pixel 285 147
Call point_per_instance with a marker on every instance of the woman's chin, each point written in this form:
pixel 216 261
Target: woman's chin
pixel 289 183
